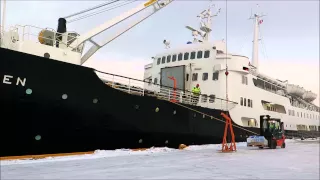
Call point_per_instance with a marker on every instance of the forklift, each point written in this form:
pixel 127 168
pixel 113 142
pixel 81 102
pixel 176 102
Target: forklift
pixel 271 134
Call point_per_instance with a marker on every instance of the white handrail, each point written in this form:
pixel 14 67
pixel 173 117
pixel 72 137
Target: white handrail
pixel 141 88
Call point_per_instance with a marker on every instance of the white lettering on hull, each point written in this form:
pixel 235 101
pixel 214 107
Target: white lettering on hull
pixel 8 79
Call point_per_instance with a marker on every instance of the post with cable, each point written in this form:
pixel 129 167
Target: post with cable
pixel 174 89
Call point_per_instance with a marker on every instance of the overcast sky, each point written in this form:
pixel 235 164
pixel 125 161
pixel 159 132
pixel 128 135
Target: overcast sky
pixel 290 33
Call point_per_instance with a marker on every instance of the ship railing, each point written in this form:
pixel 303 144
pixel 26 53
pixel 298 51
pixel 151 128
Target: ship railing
pixel 303 134
pixel 147 88
pixel 33 33
pixel 268 87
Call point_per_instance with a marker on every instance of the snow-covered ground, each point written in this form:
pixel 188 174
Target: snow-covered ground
pixel 299 160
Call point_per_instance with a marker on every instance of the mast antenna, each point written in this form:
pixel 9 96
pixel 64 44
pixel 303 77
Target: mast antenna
pixel 206 20
pixel 205 24
pixel 257 21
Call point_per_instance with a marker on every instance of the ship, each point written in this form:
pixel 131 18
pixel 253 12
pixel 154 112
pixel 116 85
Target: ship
pixel 51 103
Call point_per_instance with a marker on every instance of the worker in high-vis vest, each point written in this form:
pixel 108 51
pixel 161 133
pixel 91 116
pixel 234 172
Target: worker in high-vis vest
pixel 271 127
pixel 196 92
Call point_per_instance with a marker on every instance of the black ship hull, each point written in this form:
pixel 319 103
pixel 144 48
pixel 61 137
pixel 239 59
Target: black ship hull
pixel 49 107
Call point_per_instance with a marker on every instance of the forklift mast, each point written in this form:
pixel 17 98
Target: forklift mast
pixel 263 124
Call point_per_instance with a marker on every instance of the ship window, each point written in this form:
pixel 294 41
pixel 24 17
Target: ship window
pixel 199 55
pixel 174 58
pixel 180 57
pixel 249 103
pixel 241 101
pixel 212 98
pixel 244 80
pixel 155 80
pixel 168 58
pixel 194 76
pixel 204 76
pixel 163 60
pixel 206 54
pixel 158 61
pixel 245 102
pixel 193 55
pixel 186 56
pixel 215 76
pixel 187 77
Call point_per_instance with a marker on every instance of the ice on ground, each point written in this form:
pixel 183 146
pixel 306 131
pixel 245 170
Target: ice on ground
pixel 299 160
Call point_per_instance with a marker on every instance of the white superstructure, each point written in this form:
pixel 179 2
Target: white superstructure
pixel 256 93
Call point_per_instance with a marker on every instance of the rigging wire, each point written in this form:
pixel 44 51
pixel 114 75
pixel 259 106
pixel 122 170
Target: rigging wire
pixel 90 9
pixel 227 71
pixel 264 51
pixel 103 10
pixel 233 124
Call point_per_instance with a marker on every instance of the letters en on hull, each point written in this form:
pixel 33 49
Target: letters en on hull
pixel 11 80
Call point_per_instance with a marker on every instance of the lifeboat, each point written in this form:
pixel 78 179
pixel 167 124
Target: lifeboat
pixel 295 90
pixel 309 96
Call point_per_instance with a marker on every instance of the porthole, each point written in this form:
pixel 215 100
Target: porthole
pixel 166 142
pixel 136 106
pixel 37 137
pixel 157 109
pixel 29 91
pixel 174 112
pixel 64 96
pixel 46 55
pixel 95 101
pixel 140 141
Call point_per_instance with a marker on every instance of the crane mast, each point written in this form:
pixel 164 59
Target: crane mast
pixel 157 5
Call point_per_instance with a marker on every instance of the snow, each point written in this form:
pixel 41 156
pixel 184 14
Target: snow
pixel 299 160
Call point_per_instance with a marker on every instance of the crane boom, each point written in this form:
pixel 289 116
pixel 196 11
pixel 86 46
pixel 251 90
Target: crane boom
pixel 97 46
pixel 96 31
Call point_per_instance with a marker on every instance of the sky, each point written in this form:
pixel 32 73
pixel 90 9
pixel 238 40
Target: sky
pixel 289 46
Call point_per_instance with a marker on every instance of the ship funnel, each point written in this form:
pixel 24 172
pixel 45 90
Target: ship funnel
pixel 62 25
pixel 62 28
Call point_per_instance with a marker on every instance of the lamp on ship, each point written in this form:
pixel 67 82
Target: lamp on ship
pixel 166 43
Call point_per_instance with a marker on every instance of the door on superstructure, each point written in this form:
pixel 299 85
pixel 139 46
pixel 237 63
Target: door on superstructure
pixel 178 72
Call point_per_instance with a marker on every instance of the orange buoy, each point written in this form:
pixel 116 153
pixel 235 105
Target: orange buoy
pixel 182 146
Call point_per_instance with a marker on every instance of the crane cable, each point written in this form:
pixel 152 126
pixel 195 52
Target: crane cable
pixel 101 11
pixel 90 9
pixel 264 51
